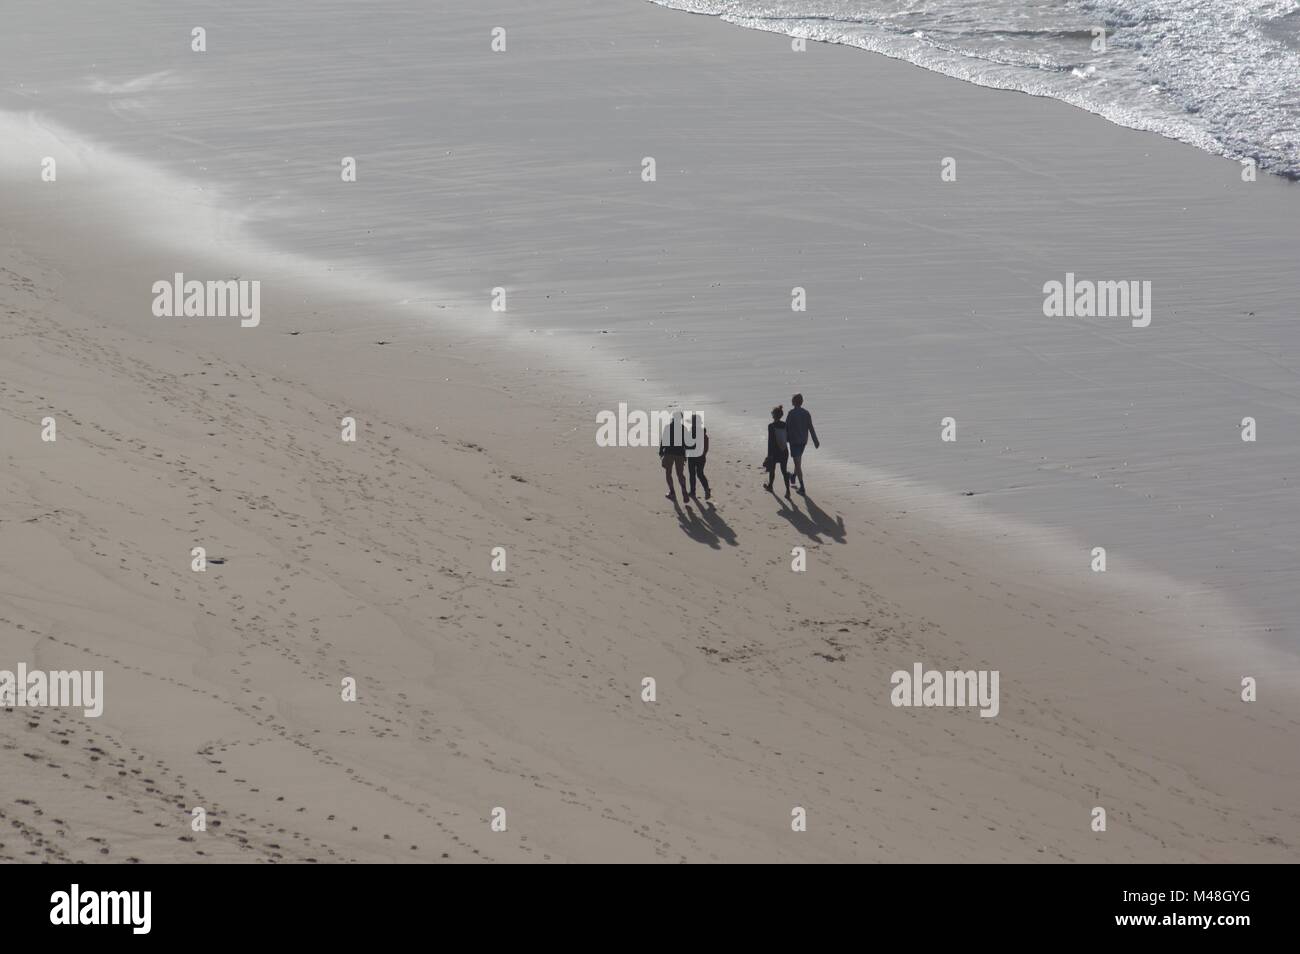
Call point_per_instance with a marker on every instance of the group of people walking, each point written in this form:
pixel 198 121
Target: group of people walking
pixel 684 449
pixel 787 440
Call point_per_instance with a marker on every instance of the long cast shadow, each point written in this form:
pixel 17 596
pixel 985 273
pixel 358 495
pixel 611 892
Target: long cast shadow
pixel 833 527
pixel 716 523
pixel 814 524
pixel 695 528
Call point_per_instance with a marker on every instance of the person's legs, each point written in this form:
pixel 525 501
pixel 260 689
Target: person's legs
pixel 693 468
pixel 668 476
pixel 771 473
pixel 681 474
pixel 699 469
pixel 786 477
pixel 796 451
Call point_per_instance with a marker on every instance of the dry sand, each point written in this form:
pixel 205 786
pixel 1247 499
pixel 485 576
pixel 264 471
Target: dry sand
pixel 522 689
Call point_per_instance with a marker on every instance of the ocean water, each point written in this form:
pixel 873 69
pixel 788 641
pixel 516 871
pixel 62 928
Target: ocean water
pixel 1223 75
pixel 522 170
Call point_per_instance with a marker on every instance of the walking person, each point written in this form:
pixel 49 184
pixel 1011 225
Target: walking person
pixel 672 454
pixel 777 450
pixel 798 428
pixel 699 449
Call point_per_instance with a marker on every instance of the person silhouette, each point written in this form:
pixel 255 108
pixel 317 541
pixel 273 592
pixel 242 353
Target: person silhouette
pixel 798 428
pixel 696 454
pixel 672 454
pixel 778 452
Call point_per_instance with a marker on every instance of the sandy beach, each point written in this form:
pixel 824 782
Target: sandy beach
pixel 522 690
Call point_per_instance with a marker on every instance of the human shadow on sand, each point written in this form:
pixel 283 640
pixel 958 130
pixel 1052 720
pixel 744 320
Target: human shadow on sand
pixel 705 527
pixel 816 523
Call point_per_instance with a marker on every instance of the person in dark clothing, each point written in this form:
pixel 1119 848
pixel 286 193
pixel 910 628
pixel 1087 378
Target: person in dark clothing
pixel 777 450
pixel 672 454
pixel 695 455
pixel 798 428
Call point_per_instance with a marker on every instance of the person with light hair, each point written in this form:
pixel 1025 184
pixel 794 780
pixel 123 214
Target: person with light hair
pixel 778 452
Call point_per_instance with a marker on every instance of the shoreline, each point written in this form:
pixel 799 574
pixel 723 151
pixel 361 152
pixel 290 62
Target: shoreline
pixel 1126 441
pixel 521 690
pixel 1180 132
pixel 941 511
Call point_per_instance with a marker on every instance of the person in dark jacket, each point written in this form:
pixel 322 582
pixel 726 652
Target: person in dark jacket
pixel 798 428
pixel 778 451
pixel 672 454
pixel 695 455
